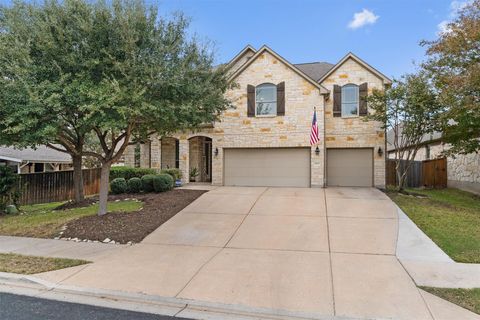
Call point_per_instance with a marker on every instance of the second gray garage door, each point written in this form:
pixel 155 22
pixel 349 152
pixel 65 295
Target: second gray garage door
pixel 277 167
pixel 350 167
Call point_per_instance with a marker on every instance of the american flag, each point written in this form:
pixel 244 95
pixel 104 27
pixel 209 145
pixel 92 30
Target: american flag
pixel 314 132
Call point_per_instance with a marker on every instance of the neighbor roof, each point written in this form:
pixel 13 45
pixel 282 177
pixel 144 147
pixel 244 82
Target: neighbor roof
pixel 40 154
pixel 315 70
pixel 427 138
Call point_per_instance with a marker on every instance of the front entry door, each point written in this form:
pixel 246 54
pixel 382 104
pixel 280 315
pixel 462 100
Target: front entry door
pixel 207 161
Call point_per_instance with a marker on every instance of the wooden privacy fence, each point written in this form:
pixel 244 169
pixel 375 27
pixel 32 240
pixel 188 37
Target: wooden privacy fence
pixel 427 173
pixel 55 186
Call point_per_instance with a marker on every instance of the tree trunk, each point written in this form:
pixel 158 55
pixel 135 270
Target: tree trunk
pixel 104 186
pixel 78 178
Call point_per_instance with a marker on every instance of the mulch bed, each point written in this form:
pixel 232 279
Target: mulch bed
pixel 124 227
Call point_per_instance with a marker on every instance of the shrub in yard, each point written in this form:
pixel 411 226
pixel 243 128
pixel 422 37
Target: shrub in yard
pixel 118 185
pixel 175 173
pixel 134 185
pixel 147 182
pixel 9 194
pixel 129 172
pixel 162 183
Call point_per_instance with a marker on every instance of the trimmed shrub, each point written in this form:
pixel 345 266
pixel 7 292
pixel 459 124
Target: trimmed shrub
pixel 147 182
pixel 134 185
pixel 175 173
pixel 9 194
pixel 162 183
pixel 118 185
pixel 129 172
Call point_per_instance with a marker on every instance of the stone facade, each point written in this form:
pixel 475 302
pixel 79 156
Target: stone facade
pixel 236 130
pixel 355 132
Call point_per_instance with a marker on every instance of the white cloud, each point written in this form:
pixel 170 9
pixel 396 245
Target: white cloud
pixel 455 7
pixel 362 18
pixel 443 27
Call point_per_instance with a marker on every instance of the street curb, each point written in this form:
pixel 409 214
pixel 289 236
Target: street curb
pixel 170 306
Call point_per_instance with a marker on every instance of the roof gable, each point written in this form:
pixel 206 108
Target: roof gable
pixel 263 49
pixel 350 55
pixel 248 48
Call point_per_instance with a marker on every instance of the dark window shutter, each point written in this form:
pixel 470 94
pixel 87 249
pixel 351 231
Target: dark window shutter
pixel 363 92
pixel 337 101
pixel 250 101
pixel 281 99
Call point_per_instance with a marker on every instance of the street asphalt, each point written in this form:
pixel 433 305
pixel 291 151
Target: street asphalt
pixel 16 307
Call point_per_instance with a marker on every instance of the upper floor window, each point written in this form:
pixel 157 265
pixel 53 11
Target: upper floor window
pixel 350 100
pixel 266 99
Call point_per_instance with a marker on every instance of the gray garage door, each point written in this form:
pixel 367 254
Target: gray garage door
pixel 350 167
pixel 277 167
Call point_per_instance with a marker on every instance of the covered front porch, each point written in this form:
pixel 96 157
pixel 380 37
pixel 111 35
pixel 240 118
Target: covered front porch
pixel 192 156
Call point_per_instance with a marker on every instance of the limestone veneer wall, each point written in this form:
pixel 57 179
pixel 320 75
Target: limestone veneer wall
pixel 355 132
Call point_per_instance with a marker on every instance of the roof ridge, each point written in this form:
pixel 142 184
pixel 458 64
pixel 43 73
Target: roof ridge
pixel 313 62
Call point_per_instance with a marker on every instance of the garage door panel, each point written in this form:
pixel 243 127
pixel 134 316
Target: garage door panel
pixel 267 167
pixel 350 167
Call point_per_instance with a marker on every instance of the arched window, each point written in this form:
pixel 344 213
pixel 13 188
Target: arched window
pixel 350 99
pixel 266 99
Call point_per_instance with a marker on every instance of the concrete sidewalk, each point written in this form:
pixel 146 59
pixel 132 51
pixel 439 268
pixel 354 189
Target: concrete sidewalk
pixel 427 264
pixel 90 251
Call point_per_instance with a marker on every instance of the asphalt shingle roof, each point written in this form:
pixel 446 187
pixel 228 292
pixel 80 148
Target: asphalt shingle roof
pixel 315 70
pixel 40 154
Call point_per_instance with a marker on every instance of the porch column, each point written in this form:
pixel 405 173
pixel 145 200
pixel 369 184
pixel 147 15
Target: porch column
pixel 156 152
pixel 130 156
pixel 184 161
pixel 145 155
pixel 217 163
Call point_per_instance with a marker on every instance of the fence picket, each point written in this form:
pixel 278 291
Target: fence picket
pixel 427 173
pixel 55 186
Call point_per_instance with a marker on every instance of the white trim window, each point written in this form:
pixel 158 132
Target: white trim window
pixel 266 100
pixel 350 101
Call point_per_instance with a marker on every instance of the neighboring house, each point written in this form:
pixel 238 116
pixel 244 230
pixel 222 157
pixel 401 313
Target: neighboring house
pixel 41 159
pixel 463 170
pixel 264 140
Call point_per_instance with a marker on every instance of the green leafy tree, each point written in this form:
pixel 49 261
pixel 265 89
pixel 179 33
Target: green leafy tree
pixel 155 79
pixel 409 110
pixel 44 78
pixel 134 74
pixel 454 65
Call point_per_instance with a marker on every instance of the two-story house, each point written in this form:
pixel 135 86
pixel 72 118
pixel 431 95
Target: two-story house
pixel 265 139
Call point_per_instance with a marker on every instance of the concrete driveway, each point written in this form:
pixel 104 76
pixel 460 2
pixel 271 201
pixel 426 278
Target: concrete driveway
pixel 310 252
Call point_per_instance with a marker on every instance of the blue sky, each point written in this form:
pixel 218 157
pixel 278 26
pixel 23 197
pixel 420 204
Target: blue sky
pixel 308 30
pixel 386 33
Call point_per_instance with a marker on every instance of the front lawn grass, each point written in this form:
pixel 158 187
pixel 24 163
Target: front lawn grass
pixel 450 217
pixel 466 298
pixel 42 221
pixel 15 263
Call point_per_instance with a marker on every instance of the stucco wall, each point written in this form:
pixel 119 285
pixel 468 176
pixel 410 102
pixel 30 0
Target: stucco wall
pixel 355 132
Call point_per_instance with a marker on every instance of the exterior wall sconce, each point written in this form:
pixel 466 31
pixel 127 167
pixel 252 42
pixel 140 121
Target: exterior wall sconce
pixel 216 152
pixel 380 151
pixel 317 151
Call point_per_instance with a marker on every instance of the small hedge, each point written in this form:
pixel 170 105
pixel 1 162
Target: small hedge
pixel 129 172
pixel 134 185
pixel 118 185
pixel 175 173
pixel 162 183
pixel 147 182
